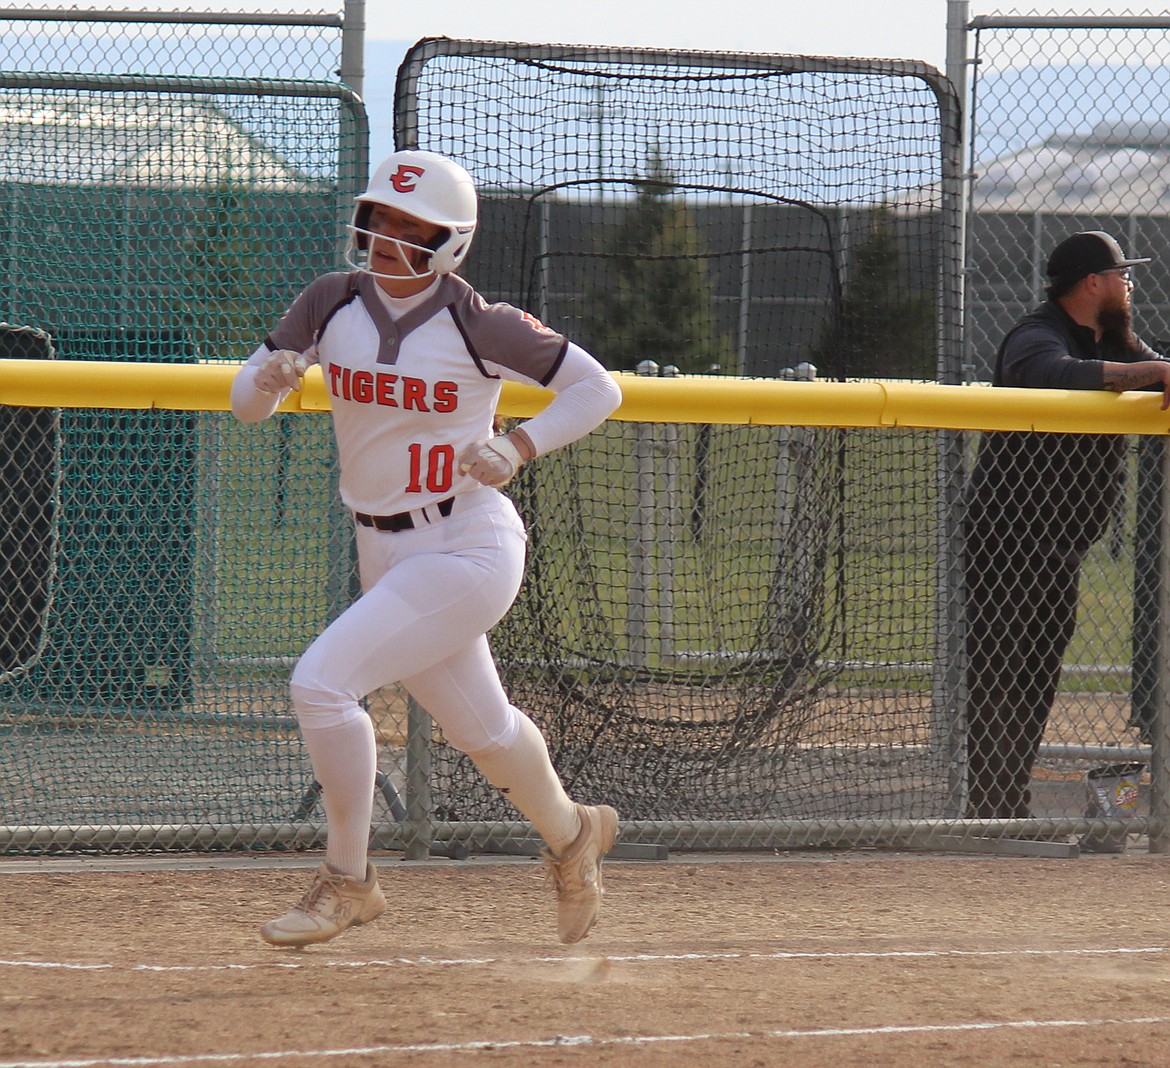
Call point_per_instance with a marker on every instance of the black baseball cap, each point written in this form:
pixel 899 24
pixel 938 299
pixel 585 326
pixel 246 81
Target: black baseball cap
pixel 1090 252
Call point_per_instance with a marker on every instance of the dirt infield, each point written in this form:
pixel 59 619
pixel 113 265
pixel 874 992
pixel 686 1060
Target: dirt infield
pixel 863 959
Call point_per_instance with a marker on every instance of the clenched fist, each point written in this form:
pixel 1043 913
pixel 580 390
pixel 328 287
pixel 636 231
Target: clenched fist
pixel 283 370
pixel 493 462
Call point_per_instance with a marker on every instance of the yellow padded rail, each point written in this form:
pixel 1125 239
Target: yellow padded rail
pixel 685 399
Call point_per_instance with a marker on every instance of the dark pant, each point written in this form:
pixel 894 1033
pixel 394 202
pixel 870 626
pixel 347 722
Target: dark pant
pixel 1021 615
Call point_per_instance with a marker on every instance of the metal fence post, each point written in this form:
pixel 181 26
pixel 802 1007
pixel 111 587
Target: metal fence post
pixel 948 687
pixel 642 548
pixel 418 827
pixel 666 524
pixel 1160 721
pixel 353 43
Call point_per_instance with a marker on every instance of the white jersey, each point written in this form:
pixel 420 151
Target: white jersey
pixel 409 394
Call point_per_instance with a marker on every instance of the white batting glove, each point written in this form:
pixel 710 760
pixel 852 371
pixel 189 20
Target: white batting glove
pixel 283 370
pixel 493 462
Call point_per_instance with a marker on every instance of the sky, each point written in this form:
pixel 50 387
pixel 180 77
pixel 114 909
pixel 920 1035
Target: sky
pixel 826 27
pixel 863 28
pixel 901 29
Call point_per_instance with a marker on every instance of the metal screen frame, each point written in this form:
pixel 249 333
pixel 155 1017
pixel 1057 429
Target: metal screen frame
pixel 947 698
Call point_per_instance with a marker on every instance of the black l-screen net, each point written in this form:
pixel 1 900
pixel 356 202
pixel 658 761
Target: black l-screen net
pixel 718 622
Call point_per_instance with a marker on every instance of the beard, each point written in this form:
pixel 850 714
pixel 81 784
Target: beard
pixel 1116 323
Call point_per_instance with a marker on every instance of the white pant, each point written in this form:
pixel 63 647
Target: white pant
pixel 429 597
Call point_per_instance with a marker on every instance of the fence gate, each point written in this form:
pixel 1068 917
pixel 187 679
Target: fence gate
pixel 1067 132
pixel 166 219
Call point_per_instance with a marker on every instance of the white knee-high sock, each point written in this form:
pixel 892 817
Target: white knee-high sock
pixel 345 764
pixel 523 773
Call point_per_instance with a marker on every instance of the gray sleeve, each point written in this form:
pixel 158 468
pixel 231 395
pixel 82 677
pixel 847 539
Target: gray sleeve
pixel 1038 357
pixel 1144 352
pixel 297 329
pixel 508 337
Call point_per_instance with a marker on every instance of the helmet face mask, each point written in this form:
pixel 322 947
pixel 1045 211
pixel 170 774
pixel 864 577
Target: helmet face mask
pixel 428 187
pixel 362 237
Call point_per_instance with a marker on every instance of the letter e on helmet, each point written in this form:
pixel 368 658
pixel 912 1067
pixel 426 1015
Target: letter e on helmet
pixel 429 187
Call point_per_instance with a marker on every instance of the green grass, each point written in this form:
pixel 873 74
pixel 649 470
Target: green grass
pixel 862 545
pixel 267 528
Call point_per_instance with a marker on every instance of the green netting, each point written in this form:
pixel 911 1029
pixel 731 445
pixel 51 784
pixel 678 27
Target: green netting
pixel 167 221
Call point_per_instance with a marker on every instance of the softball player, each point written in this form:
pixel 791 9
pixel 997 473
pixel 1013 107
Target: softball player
pixel 413 359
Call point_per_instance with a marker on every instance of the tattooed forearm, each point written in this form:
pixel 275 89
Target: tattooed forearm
pixel 1122 376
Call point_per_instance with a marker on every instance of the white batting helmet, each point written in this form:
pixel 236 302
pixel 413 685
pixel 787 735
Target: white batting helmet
pixel 429 187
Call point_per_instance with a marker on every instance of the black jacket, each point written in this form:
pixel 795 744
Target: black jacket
pixel 1055 492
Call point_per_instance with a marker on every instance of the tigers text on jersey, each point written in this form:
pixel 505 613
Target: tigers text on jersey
pixel 409 395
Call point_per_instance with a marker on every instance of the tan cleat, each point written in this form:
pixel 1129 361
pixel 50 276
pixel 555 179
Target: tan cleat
pixel 577 872
pixel 332 904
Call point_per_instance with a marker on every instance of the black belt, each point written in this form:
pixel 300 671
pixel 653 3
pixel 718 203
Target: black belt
pixel 402 520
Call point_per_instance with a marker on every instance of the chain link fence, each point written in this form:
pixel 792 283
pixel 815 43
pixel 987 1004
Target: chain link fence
pixel 162 219
pixel 745 636
pixel 1067 133
pixel 305 44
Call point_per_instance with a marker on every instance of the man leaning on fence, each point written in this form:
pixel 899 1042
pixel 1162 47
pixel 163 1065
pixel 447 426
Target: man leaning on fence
pixel 1036 503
